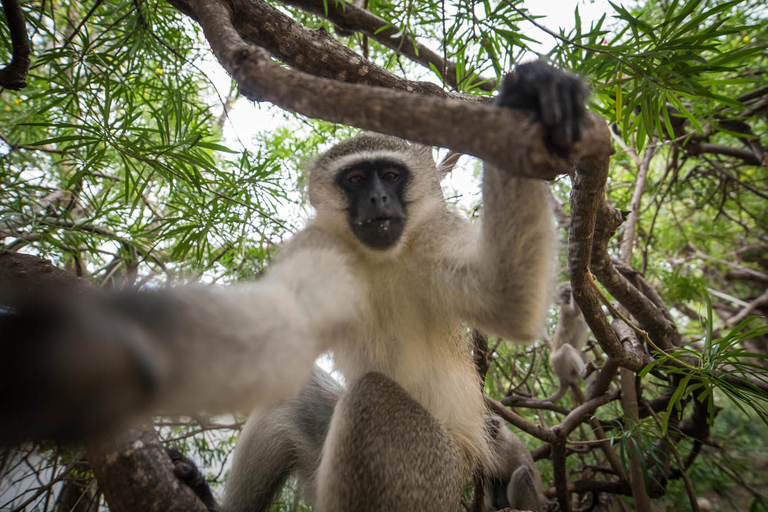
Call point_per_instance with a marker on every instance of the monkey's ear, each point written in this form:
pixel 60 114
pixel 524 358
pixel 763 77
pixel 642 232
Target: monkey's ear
pixel 423 152
pixel 563 293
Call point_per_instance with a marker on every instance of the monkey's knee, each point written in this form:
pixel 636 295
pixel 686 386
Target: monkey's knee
pixel 385 451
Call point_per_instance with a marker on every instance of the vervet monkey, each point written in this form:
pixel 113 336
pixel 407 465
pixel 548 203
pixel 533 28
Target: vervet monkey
pixel 512 478
pixel 568 361
pixel 410 427
pixel 384 276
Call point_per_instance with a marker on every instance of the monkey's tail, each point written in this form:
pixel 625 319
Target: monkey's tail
pixel 538 401
pixel 560 393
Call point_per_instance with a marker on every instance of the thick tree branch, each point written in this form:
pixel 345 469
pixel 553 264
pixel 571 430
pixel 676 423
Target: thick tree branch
pixel 587 199
pixel 355 19
pixel 312 51
pixel 420 118
pixel 14 75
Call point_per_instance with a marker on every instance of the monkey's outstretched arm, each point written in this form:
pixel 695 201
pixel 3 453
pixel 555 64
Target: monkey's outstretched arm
pixel 79 366
pixel 249 344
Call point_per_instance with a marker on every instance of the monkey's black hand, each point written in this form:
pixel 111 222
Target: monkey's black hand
pixel 70 366
pixel 555 97
pixel 187 471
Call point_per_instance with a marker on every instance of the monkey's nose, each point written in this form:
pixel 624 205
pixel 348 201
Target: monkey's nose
pixel 376 199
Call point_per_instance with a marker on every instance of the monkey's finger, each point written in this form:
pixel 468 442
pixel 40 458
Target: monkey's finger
pixel 565 98
pixel 551 113
pixel 578 110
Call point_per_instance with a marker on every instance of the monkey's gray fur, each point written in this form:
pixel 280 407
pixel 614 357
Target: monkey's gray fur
pixel 287 438
pixel 513 480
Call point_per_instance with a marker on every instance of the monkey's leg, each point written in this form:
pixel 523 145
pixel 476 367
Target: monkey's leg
pixel 264 459
pixel 385 452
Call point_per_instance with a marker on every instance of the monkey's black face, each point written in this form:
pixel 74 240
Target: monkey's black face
pixel 375 193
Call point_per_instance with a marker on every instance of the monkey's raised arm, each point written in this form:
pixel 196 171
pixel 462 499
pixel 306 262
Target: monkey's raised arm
pixel 77 366
pixel 507 272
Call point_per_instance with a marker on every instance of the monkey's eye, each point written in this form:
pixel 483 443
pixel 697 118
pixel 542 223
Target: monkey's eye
pixel 355 177
pixel 390 174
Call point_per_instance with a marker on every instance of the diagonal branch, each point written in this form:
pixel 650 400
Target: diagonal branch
pixel 587 200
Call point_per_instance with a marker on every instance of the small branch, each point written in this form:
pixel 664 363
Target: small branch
pixel 42 149
pixel 580 413
pixel 719 168
pixel 582 486
pixel 627 242
pixel 631 418
pixel 759 302
pixel 14 75
pixel 533 403
pixel 571 43
pixel 352 18
pixel 757 93
pixel 521 423
pixel 746 155
pixel 688 485
pixel 655 320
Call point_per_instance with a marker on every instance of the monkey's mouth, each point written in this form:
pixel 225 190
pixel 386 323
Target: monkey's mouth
pixel 380 232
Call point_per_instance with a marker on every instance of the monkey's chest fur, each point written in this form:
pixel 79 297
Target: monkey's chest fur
pixel 406 337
